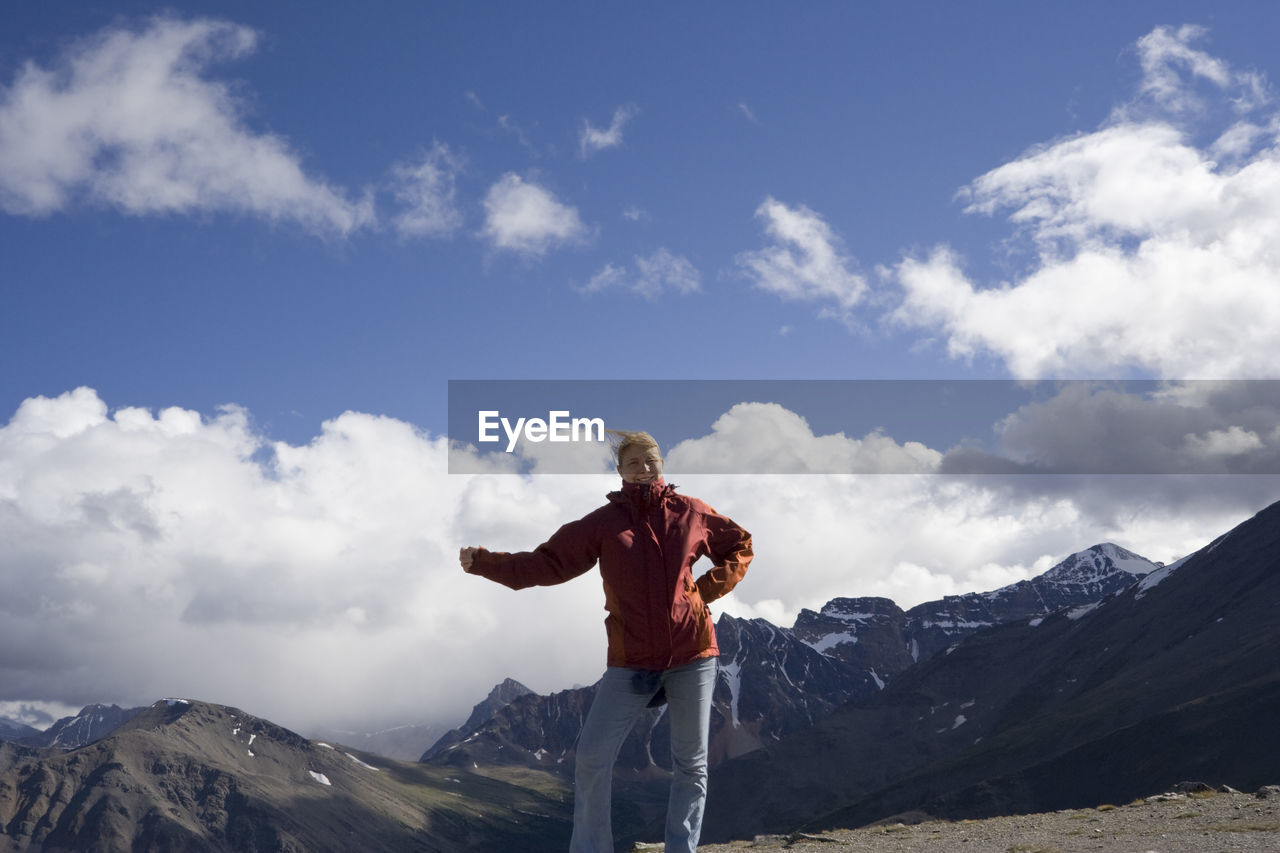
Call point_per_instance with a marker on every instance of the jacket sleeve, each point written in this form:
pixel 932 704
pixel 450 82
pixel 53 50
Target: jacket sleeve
pixel 571 551
pixel 729 547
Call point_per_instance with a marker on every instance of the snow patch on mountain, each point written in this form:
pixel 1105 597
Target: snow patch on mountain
pixel 733 676
pixel 830 641
pixel 1154 579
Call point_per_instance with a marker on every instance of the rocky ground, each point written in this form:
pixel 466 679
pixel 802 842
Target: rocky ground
pixel 1192 821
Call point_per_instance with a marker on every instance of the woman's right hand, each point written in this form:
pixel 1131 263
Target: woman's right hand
pixel 466 556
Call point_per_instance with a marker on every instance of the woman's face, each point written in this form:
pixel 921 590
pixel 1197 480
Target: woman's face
pixel 640 464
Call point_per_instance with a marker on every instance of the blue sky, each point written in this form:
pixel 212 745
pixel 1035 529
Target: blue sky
pixel 872 116
pixel 247 246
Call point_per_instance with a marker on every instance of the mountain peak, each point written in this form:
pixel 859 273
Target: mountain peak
pixel 1098 563
pixel 93 722
pixel 860 608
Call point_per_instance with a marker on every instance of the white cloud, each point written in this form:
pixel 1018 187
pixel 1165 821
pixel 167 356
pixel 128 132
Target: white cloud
pixel 652 276
pixel 805 260
pixel 768 437
pixel 592 139
pixel 427 192
pixel 524 217
pixel 1233 441
pixel 1171 67
pixel 608 277
pixel 1149 254
pixel 151 554
pixel 1150 428
pixel 129 119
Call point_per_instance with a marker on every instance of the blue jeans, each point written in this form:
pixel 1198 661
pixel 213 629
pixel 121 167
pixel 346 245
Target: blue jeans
pixel 621 696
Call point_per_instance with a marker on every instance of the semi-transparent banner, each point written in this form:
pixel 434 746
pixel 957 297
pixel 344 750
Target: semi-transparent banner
pixel 870 426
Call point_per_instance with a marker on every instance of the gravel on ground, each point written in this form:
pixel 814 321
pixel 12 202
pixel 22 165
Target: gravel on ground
pixel 1202 822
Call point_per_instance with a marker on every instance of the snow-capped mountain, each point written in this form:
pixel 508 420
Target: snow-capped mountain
pixel 774 681
pixel 92 723
pixel 878 636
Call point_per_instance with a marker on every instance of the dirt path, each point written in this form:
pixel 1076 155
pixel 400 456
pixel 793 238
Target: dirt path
pixel 1170 823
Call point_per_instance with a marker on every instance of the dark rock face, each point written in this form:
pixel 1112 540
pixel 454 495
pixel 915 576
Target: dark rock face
pixel 501 696
pixel 531 730
pixel 867 633
pixel 772 683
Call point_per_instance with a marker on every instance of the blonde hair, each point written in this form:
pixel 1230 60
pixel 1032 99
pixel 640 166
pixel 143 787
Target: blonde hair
pixel 621 439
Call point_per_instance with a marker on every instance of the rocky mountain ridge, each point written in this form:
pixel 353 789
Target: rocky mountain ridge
pixel 93 722
pixel 774 681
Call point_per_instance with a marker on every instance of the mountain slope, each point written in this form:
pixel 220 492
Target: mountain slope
pixel 195 776
pixel 1050 712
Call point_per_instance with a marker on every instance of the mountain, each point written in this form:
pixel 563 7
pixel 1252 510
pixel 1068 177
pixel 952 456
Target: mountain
pixel 775 681
pixel 93 722
pixel 14 730
pixel 770 684
pixel 1174 677
pixel 878 636
pixel 195 776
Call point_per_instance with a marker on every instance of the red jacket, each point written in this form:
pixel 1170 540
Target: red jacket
pixel 646 539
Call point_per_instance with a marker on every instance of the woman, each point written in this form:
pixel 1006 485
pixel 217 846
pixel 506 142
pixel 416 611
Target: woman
pixel 662 642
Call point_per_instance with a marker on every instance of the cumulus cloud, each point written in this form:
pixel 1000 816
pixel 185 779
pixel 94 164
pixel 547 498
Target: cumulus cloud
pixel 805 260
pixel 767 437
pixel 1149 252
pixel 592 139
pixel 522 216
pixel 160 553
pixel 427 193
pixel 155 553
pixel 131 119
pixel 650 276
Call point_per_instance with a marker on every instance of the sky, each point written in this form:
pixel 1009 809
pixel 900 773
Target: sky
pixel 250 250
